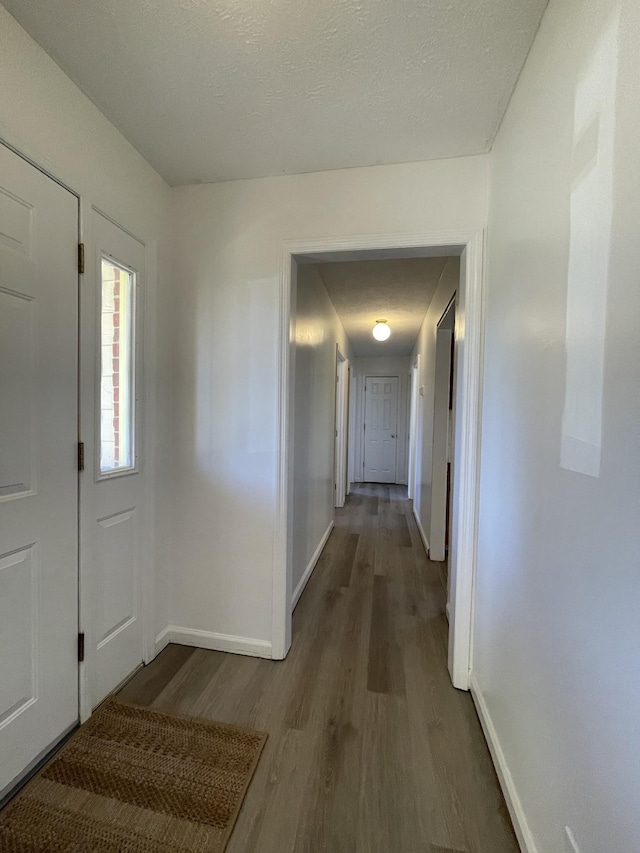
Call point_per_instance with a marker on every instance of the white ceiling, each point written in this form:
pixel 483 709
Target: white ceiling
pixel 212 90
pixel 398 291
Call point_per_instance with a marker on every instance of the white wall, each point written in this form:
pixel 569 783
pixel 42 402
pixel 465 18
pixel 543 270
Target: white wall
pixel 46 117
pixel 229 243
pixel 318 330
pixel 426 348
pixel 380 366
pixel 557 628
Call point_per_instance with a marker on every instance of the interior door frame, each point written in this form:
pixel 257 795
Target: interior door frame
pixel 341 436
pixel 469 246
pixel 412 463
pixel 149 395
pixel 443 370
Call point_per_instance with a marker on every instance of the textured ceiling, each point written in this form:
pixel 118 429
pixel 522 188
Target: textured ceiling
pixel 398 291
pixel 212 90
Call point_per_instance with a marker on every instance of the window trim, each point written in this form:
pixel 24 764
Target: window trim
pixel 134 467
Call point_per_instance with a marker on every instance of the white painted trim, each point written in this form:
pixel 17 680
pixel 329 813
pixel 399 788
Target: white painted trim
pixel 217 642
pixel 414 379
pixel 440 451
pixel 149 430
pixel 282 580
pixel 514 804
pixel 85 609
pixel 162 639
pixel 340 441
pixel 312 564
pixel 469 244
pixel 423 535
pixel 469 333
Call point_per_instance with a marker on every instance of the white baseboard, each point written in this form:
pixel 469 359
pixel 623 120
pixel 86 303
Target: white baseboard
pixel 423 535
pixel 312 564
pixel 162 640
pixel 518 817
pixel 216 642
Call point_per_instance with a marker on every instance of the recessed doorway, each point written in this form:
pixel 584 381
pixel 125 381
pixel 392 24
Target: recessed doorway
pixel 468 246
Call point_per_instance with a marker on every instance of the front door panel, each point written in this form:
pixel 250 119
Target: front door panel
pixel 111 540
pixel 38 470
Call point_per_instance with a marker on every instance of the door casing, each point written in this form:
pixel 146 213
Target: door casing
pixel 341 428
pixel 469 246
pixel 444 366
pixel 413 456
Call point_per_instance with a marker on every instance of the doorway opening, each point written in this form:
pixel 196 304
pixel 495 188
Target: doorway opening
pixel 468 247
pixel 443 445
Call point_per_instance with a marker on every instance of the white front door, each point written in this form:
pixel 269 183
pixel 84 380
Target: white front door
pixel 380 428
pixel 38 465
pixel 112 505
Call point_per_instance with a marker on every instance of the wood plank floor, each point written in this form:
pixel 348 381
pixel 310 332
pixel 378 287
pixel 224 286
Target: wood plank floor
pixel 370 749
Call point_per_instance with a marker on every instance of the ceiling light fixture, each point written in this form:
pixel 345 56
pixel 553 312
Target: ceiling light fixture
pixel 381 330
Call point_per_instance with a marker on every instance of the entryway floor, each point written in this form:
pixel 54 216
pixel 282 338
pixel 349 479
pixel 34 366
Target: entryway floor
pixel 370 749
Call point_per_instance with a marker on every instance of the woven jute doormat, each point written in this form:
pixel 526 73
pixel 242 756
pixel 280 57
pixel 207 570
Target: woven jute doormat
pixel 134 780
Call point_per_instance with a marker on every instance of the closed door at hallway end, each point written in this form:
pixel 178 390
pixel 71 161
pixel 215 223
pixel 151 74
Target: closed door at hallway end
pixel 380 429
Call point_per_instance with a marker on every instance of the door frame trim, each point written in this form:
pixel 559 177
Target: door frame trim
pixel 412 455
pixel 341 437
pixel 437 531
pixel 469 245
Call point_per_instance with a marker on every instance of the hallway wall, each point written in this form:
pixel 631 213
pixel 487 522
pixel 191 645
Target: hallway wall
pixel 379 367
pixel 557 632
pixel 318 330
pixel 426 348
pixel 229 240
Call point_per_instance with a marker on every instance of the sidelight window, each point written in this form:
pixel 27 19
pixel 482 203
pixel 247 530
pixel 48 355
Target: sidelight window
pixel 117 368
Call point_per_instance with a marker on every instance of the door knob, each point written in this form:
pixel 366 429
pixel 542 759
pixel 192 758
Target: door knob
pixel 393 435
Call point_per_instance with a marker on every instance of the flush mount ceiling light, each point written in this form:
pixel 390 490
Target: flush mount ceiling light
pixel 381 330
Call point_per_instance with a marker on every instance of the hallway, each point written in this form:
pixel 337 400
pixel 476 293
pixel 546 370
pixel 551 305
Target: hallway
pixel 370 749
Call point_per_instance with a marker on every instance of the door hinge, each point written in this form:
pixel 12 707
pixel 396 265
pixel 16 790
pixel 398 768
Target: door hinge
pixel 81 647
pixel 81 456
pixel 81 258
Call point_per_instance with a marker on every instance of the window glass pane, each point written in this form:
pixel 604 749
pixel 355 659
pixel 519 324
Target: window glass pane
pixel 117 393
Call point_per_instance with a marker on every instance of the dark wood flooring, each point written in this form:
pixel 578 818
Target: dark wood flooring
pixel 370 749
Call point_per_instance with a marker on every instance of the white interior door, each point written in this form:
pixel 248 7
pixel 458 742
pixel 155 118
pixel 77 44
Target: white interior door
pixel 38 465
pixel 380 428
pixel 111 485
